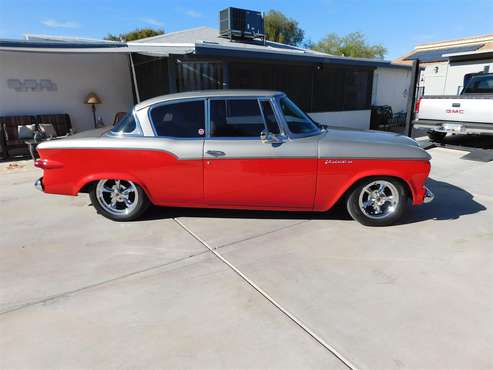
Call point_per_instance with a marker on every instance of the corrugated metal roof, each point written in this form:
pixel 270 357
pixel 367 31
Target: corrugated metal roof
pixel 436 55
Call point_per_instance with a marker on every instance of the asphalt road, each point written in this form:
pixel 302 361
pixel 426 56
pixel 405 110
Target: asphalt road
pixel 78 291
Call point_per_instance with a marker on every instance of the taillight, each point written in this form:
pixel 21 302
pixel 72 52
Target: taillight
pixel 46 164
pixel 418 103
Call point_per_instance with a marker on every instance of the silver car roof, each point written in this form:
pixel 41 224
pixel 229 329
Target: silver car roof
pixel 207 94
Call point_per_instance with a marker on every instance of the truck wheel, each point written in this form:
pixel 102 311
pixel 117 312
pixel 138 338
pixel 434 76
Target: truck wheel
pixel 119 200
pixel 436 136
pixel 378 201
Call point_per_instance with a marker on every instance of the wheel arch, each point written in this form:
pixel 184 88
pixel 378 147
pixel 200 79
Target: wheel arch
pixel 86 184
pixel 344 191
pixel 356 183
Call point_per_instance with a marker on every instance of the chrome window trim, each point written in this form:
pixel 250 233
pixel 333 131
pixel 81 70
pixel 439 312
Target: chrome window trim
pixel 178 101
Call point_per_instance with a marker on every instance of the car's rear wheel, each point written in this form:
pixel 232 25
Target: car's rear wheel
pixel 119 200
pixel 378 201
pixel 436 136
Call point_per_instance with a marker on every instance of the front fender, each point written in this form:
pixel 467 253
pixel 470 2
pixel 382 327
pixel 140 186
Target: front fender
pixel 337 177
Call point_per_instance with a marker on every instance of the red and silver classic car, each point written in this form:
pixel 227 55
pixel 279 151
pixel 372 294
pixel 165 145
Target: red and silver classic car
pixel 236 149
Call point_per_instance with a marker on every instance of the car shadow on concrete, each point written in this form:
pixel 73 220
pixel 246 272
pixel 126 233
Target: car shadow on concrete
pixel 338 212
pixel 470 141
pixel 451 202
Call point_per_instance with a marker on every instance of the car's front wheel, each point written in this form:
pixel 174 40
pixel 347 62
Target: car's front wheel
pixel 119 200
pixel 378 201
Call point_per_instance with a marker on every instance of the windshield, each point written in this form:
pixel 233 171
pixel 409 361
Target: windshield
pixel 298 121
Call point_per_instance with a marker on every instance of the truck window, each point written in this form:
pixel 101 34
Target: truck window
pixel 480 85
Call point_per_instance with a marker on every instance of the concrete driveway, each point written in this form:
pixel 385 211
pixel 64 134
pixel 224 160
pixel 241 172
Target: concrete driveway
pixel 309 291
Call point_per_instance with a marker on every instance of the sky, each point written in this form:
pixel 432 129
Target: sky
pixel 397 24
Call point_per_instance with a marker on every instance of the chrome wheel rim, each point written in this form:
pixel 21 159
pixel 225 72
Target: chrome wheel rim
pixel 118 197
pixel 379 199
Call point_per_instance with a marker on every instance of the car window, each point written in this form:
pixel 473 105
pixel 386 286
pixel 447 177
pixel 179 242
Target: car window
pixel 269 116
pixel 480 85
pixel 184 119
pixel 236 118
pixel 126 125
pixel 298 122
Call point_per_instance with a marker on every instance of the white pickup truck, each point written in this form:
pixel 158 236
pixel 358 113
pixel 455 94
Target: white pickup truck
pixel 471 112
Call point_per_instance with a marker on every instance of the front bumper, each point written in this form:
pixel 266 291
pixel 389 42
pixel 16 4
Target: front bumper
pixel 39 184
pixel 429 196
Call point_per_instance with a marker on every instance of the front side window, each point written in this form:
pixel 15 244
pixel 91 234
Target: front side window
pixel 236 118
pixel 180 120
pixel 269 116
pixel 298 122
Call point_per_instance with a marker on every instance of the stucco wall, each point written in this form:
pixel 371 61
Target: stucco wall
pixel 391 87
pixel 358 119
pixel 433 78
pixel 75 75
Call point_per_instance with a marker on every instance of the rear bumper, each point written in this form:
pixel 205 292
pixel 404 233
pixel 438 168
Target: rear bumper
pixel 454 127
pixel 429 196
pixel 39 184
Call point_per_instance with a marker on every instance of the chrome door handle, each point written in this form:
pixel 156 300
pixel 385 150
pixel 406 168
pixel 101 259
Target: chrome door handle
pixel 216 153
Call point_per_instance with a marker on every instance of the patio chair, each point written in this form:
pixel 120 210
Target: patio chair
pixel 60 122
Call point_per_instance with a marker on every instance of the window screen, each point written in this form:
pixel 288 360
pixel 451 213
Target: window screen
pixel 184 119
pixel 236 118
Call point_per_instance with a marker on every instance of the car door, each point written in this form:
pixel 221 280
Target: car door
pixel 242 170
pixel 179 128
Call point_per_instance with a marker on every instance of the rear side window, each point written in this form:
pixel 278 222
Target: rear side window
pixel 181 120
pixel 127 125
pixel 236 118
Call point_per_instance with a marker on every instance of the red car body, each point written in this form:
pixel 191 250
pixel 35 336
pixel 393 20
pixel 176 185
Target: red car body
pixel 308 172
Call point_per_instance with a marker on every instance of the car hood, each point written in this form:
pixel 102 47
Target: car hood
pixel 350 143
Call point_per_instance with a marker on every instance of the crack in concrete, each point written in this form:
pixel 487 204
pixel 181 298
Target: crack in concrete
pixel 69 293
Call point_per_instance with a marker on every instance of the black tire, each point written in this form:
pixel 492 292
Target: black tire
pixel 395 211
pixel 140 198
pixel 436 136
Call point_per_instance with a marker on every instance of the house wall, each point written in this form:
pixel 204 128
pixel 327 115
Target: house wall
pixel 391 87
pixel 61 82
pixel 433 78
